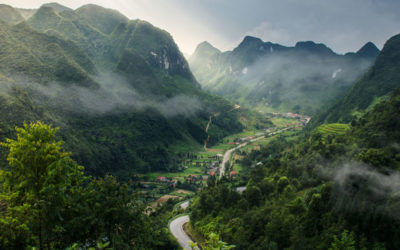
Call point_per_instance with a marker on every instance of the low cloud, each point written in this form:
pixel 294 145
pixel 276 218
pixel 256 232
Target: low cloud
pixel 115 94
pixel 385 183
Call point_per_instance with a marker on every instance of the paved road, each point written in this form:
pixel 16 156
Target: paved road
pixel 240 189
pixel 228 153
pixel 185 205
pixel 176 228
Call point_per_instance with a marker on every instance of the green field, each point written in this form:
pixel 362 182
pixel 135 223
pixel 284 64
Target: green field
pixel 332 129
pixel 282 121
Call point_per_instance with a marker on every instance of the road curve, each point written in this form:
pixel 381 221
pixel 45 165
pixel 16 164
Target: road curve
pixel 176 228
pixel 228 153
pixel 185 205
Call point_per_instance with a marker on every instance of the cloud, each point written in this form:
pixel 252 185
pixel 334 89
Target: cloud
pixel 115 94
pixel 385 183
pixel 180 105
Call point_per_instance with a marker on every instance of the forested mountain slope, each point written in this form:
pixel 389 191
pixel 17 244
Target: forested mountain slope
pixel 372 88
pixel 120 90
pixel 273 77
pixel 336 187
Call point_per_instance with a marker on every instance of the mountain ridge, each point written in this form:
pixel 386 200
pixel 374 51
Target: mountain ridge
pixel 272 77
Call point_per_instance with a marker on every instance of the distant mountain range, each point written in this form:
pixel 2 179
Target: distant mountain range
pixel 374 87
pixel 120 89
pixel 273 77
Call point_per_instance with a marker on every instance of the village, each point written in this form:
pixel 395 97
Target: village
pixel 196 168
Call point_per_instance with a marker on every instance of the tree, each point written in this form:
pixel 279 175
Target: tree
pixel 346 241
pixel 36 187
pixel 213 243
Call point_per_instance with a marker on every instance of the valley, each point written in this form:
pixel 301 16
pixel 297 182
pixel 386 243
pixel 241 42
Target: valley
pixel 113 137
pixel 196 167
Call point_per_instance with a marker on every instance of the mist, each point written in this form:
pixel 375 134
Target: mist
pixel 298 79
pixel 289 70
pixel 113 95
pixel 385 183
pixel 363 189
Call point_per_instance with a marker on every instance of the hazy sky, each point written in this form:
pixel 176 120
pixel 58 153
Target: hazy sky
pixel 343 25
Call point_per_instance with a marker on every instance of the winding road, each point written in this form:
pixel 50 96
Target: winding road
pixel 176 228
pixel 185 204
pixel 228 153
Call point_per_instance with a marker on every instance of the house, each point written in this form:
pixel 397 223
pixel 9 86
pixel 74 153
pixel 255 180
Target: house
pixel 247 138
pixel 212 173
pixel 163 179
pixel 259 163
pixel 192 177
pixel 233 173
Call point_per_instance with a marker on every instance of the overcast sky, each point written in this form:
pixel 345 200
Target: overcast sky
pixel 343 25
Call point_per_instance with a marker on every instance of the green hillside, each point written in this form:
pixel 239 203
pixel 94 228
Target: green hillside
pixel 120 91
pixel 337 187
pixel 104 20
pixel 43 58
pixel 10 15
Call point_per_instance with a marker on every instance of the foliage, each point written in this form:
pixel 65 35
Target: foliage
pixel 346 242
pixel 53 59
pixel 318 192
pixel 213 243
pixel 46 201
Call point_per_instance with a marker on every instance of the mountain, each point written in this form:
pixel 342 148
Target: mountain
pixel 57 7
pixel 120 90
pixel 372 88
pixel 10 15
pixel 272 77
pixel 368 50
pixel 26 13
pixel 51 58
pixel 107 40
pixel 104 20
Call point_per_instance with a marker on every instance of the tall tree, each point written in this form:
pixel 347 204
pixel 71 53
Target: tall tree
pixel 36 187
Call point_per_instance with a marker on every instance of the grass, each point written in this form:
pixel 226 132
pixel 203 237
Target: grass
pixel 282 121
pixel 177 175
pixel 333 128
pixel 237 167
pixel 253 133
